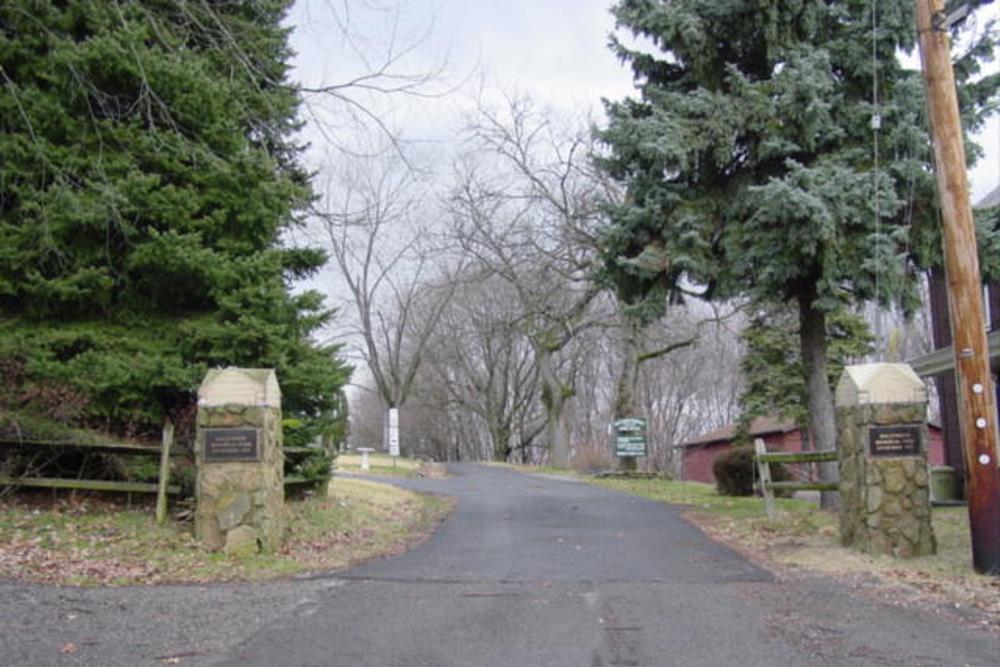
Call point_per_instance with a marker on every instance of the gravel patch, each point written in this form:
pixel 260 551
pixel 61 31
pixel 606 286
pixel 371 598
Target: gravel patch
pixel 190 625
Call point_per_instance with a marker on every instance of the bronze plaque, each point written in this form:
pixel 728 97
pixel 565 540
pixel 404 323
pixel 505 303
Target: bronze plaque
pixel 894 440
pixel 231 444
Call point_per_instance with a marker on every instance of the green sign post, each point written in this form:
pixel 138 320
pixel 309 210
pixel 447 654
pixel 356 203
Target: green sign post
pixel 630 437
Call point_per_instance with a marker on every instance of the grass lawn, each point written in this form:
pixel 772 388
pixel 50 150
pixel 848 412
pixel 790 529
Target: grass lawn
pixel 534 469
pixel 801 536
pixel 388 466
pixel 89 541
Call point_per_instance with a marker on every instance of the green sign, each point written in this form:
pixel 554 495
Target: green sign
pixel 630 437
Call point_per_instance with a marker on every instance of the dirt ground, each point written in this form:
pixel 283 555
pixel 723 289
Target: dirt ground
pixel 970 598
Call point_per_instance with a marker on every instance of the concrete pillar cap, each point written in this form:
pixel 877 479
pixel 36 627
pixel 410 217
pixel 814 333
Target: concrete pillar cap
pixel 866 384
pixel 240 386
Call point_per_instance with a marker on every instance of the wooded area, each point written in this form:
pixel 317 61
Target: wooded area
pixel 149 177
pixel 759 214
pixel 711 249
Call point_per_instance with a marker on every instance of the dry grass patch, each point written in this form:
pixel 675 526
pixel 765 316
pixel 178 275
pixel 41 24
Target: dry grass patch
pixel 389 466
pixel 533 469
pixel 93 542
pixel 802 537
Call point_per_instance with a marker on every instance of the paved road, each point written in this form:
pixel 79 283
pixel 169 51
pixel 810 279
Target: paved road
pixel 527 572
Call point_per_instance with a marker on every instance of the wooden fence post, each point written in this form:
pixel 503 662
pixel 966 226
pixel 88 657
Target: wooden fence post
pixel 161 490
pixel 765 477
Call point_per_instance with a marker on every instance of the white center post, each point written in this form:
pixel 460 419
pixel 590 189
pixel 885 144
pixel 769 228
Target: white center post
pixel 394 434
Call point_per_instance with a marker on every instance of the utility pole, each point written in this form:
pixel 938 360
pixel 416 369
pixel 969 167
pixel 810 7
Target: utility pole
pixel 976 397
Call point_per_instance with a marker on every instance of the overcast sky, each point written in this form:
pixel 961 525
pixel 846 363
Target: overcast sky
pixel 553 50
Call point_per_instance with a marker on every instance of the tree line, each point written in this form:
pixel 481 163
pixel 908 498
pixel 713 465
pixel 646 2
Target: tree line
pixel 704 253
pixel 771 176
pixel 149 178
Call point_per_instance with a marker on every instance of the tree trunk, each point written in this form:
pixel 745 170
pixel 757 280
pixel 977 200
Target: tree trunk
pixel 812 336
pixel 501 443
pixel 555 407
pixel 628 382
pixel 628 378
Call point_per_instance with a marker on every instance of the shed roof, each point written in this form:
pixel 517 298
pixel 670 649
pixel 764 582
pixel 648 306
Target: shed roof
pixel 758 427
pixel 991 199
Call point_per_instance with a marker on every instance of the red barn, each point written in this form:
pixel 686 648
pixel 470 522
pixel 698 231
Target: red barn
pixel 778 435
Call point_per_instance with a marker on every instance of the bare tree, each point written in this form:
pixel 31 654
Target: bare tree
pixel 376 224
pixel 683 378
pixel 376 58
pixel 695 388
pixel 526 205
pixel 365 417
pixel 486 368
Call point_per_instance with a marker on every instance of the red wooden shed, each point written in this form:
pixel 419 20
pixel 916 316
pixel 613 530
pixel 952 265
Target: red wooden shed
pixel 778 435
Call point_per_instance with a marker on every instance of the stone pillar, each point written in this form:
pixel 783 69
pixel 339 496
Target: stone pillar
pixel 240 489
pixel 882 443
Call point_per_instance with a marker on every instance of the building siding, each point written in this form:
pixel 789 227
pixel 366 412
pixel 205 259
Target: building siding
pixel 698 459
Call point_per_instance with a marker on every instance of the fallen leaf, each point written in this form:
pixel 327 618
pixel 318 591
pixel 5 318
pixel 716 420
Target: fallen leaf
pixel 68 648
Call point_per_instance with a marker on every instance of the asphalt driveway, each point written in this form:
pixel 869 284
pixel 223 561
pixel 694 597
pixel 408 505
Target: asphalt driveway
pixel 528 571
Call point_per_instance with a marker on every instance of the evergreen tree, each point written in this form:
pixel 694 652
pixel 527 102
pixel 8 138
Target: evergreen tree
pixel 148 175
pixel 750 166
pixel 773 377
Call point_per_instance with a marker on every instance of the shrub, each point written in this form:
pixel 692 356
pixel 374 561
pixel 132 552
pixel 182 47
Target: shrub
pixel 139 468
pixel 316 465
pixel 592 457
pixel 734 472
pixel 293 434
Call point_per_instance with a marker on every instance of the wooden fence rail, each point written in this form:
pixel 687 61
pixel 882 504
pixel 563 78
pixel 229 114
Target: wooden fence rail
pixel 763 460
pixel 161 487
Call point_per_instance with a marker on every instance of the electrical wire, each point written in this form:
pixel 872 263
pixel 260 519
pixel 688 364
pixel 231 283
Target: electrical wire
pixel 876 125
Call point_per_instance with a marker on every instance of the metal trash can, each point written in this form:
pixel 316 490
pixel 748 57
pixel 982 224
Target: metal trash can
pixel 943 484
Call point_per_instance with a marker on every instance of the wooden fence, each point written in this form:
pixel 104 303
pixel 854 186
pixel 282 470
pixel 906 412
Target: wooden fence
pixel 161 487
pixel 763 460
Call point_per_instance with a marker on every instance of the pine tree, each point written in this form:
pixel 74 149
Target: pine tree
pixel 774 381
pixel 148 177
pixel 750 166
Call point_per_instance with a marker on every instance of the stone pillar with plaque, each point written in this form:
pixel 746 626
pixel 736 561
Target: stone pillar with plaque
pixel 882 449
pixel 240 487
